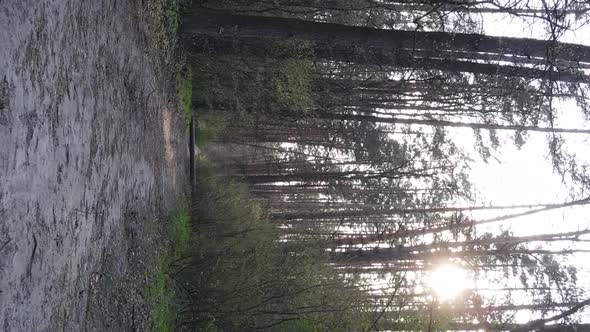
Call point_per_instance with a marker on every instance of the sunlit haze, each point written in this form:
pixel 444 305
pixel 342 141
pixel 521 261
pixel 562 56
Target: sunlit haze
pixel 448 281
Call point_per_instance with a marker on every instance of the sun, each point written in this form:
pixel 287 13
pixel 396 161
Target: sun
pixel 448 281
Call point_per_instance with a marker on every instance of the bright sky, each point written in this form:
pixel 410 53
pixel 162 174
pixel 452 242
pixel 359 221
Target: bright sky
pixel 523 176
pixel 526 176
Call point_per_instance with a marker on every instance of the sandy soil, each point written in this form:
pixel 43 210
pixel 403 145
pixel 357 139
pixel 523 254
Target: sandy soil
pixel 92 152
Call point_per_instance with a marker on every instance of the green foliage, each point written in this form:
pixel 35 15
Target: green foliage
pixel 160 297
pixel 160 293
pixel 437 318
pixel 291 86
pixel 253 87
pixel 211 126
pixel 246 279
pixel 184 91
pixel 182 233
pixel 173 10
pixel 172 17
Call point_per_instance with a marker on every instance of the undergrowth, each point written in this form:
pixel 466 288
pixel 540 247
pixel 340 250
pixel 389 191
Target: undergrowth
pixel 184 91
pixel 160 296
pixel 240 276
pixel 253 88
pixel 161 292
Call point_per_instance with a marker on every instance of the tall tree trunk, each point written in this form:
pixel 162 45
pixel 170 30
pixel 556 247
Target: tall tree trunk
pixel 377 40
pixel 444 123
pixel 251 34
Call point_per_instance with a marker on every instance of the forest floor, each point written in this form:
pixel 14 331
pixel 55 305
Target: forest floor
pixel 93 161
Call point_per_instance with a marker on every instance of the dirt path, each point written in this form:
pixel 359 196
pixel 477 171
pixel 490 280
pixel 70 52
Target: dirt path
pixel 83 160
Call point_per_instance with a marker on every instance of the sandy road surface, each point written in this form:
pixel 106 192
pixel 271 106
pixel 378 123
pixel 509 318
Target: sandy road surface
pixel 84 161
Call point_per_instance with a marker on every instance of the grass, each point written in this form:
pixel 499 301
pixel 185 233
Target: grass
pixel 182 233
pixel 159 293
pixel 172 16
pixel 210 127
pixel 164 26
pixel 184 91
pixel 228 272
pixel 245 279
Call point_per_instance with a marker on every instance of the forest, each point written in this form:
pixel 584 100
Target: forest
pixel 336 182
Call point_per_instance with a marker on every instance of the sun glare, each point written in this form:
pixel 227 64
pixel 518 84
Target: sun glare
pixel 448 281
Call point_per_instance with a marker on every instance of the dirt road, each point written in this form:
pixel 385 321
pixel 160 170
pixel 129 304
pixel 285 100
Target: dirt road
pixel 91 149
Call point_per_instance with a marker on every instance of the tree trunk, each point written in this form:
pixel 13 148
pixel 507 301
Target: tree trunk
pixel 444 123
pixel 263 35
